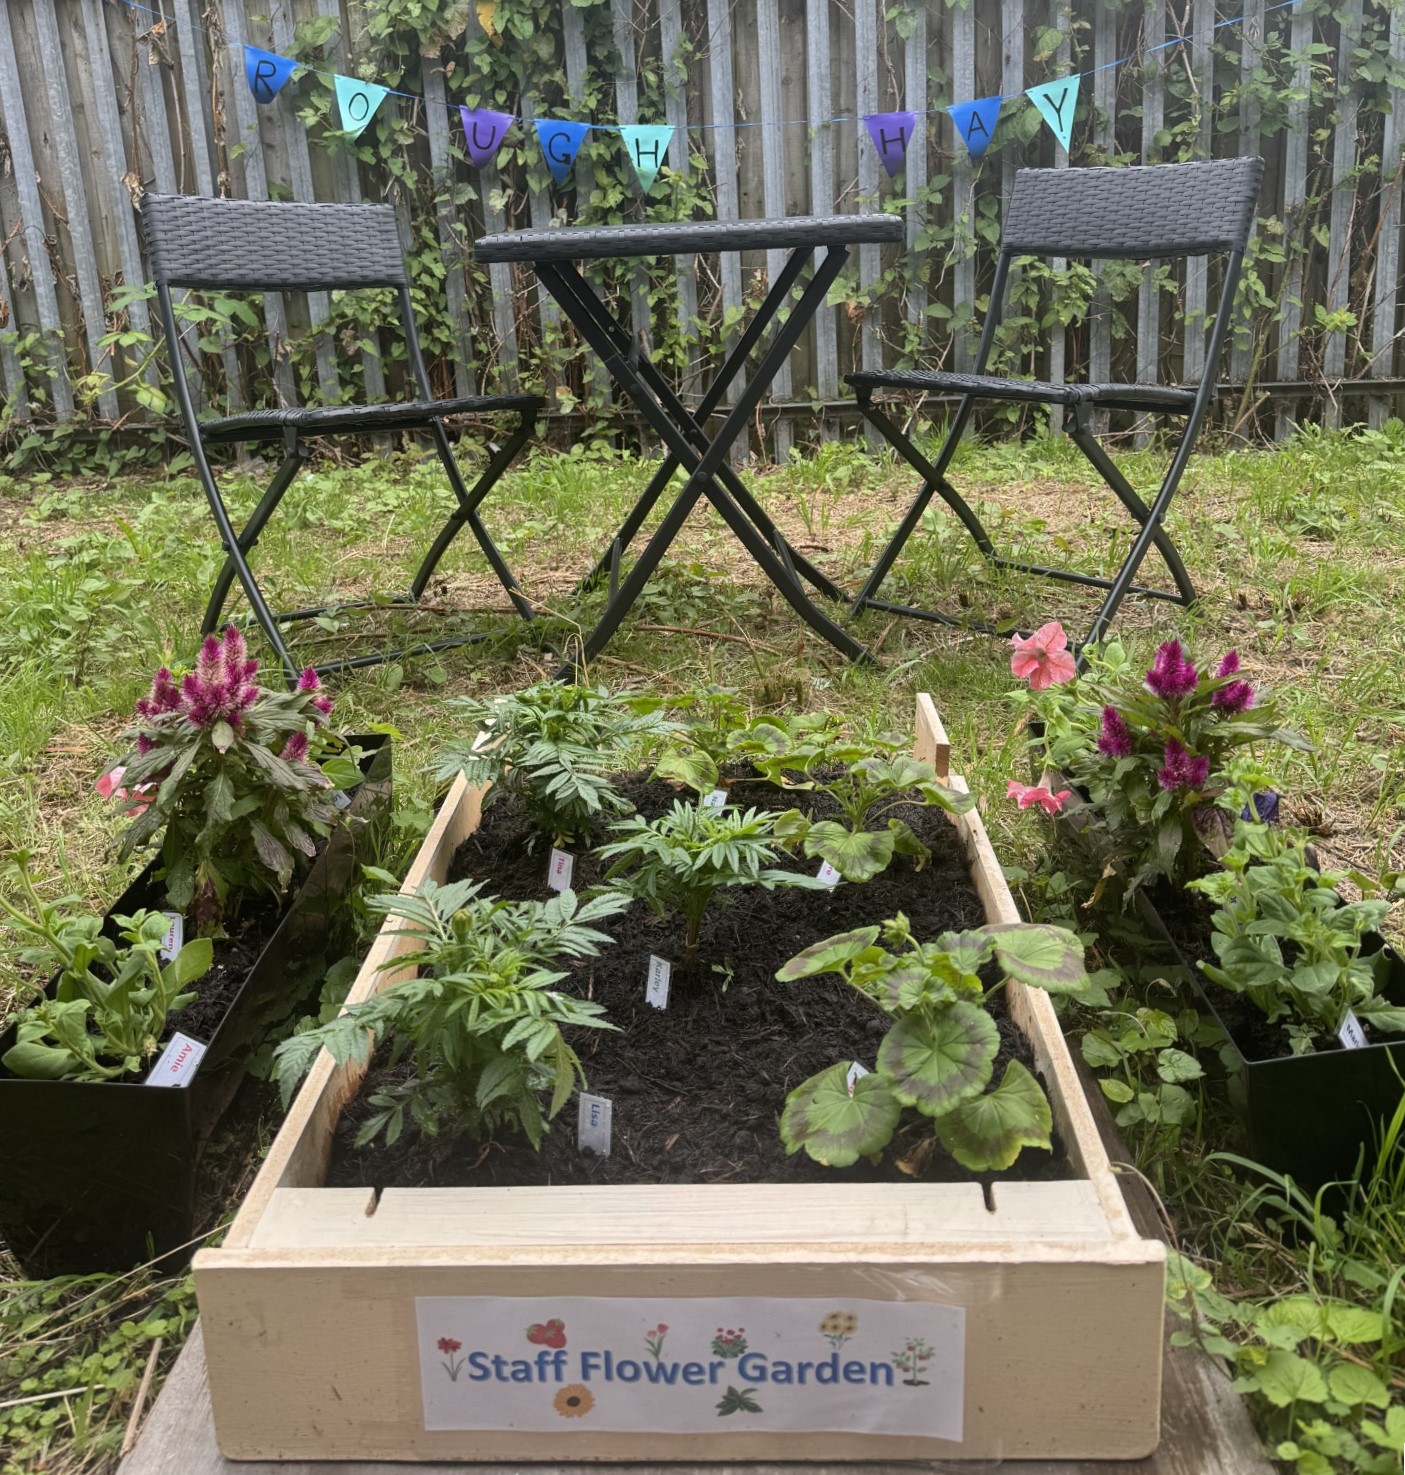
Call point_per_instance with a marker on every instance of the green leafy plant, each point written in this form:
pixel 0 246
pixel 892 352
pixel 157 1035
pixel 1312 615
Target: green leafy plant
pixel 226 774
pixel 553 747
pixel 698 748
pixel 1288 943
pixel 939 1054
pixel 108 1011
pixel 682 859
pixel 481 1023
pixel 1152 1072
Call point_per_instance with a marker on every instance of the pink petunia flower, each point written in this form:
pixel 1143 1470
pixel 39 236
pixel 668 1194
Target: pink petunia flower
pixel 1029 795
pixel 1043 659
pixel 1180 770
pixel 1115 740
pixel 1172 676
pixel 107 786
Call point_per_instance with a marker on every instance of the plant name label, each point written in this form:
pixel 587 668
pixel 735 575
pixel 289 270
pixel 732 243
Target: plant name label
pixel 558 870
pixel 1352 1036
pixel 717 799
pixel 178 1062
pixel 656 991
pixel 691 1365
pixel 829 875
pixel 174 939
pixel 341 798
pixel 593 1122
pixel 856 1073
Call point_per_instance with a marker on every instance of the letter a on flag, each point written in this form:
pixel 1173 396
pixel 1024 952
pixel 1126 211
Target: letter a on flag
pixel 890 133
pixel 561 142
pixel 267 72
pixel 484 131
pixel 975 122
pixel 646 144
pixel 358 102
pixel 1056 102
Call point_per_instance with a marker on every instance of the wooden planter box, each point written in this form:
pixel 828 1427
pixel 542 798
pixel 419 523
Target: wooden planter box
pixel 1041 1304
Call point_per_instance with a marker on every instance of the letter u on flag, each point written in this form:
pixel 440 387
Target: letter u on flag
pixel 561 142
pixel 890 133
pixel 975 122
pixel 484 131
pixel 646 144
pixel 1056 102
pixel 267 72
pixel 358 102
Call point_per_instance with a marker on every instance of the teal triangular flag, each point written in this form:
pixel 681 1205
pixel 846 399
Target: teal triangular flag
pixel 561 141
pixel 358 102
pixel 646 144
pixel 1056 102
pixel 266 72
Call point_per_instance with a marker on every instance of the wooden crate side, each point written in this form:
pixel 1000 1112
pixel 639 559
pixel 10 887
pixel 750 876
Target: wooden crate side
pixel 1062 1355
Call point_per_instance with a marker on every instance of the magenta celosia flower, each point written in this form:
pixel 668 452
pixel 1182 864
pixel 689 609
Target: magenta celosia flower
pixel 1180 769
pixel 1238 696
pixel 221 687
pixel 1230 665
pixel 164 695
pixel 295 749
pixel 323 704
pixel 1114 741
pixel 1172 676
pixel 309 680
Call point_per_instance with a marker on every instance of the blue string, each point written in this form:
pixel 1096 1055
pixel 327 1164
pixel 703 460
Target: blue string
pixel 1178 40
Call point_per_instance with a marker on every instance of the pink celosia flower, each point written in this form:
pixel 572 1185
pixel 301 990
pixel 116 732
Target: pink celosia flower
pixel 309 680
pixel 221 687
pixel 323 704
pixel 1172 676
pixel 1043 658
pixel 295 749
pixel 1114 741
pixel 1237 696
pixel 1180 770
pixel 164 695
pixel 1029 795
pixel 1230 665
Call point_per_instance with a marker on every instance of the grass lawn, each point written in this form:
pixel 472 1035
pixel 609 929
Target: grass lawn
pixel 1299 555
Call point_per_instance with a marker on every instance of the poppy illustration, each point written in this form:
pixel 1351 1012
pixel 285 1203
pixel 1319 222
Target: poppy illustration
pixel 574 1401
pixel 548 1334
pixel 454 1365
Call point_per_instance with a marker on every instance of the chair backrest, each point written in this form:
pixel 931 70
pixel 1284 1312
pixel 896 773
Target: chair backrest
pixel 1151 211
pixel 271 245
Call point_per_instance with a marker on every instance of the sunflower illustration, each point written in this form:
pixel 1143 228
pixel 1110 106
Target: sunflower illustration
pixel 838 1327
pixel 574 1401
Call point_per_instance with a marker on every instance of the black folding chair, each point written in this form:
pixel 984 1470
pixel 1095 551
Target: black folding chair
pixel 239 245
pixel 1156 213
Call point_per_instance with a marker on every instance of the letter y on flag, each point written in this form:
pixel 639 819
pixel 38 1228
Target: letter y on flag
pixel 1056 102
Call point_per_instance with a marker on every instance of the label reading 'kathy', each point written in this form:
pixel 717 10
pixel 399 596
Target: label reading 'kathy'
pixel 558 870
pixel 178 1062
pixel 593 1123
pixel 692 1365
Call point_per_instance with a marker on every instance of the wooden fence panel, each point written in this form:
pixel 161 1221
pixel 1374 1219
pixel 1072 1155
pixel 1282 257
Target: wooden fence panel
pixel 1387 273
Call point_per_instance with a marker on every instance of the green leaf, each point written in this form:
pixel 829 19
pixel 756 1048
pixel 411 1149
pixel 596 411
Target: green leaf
pixel 1176 1065
pixel 857 857
pixel 37 1062
pixel 1357 1385
pixel 1116 1090
pixel 935 1062
pixel 833 1127
pixel 694 768
pixel 222 736
pixel 193 961
pixel 1287 1378
pixel 1040 956
pixel 1348 1323
pixel 829 955
pixel 986 1134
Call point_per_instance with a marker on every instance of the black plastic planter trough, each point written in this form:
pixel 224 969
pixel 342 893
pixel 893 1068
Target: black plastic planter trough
pixel 103 1176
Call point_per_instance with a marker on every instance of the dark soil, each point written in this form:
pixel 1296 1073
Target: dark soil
pixel 698 1088
pixel 234 957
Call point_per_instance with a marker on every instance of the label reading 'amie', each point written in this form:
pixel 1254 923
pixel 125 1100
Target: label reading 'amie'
pixel 692 1365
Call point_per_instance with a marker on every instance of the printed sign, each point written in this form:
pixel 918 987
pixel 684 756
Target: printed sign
pixel 174 939
pixel 692 1365
pixel 558 870
pixel 178 1062
pixel 593 1122
pixel 656 990
pixel 1352 1036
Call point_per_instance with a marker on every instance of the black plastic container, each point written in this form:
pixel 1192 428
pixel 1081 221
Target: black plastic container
pixel 102 1176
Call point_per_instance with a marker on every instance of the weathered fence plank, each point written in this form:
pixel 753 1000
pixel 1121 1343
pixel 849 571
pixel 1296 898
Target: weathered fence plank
pixel 915 172
pixel 1241 349
pixel 1387 272
pixel 1153 117
pixel 1343 209
pixel 1060 19
pixel 723 134
pixel 675 93
pixel 962 24
pixel 577 64
pixel 866 100
pixel 436 122
pixel 627 107
pixel 1295 152
pixel 1104 141
pixel 768 47
pixel 820 110
pixel 1197 280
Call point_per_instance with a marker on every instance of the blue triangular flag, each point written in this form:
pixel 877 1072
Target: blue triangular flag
pixel 267 72
pixel 1056 102
pixel 561 142
pixel 358 102
pixel 646 144
pixel 890 133
pixel 975 122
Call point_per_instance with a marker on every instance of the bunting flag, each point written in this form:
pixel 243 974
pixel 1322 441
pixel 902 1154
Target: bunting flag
pixel 484 132
pixel 646 144
pixel 267 72
pixel 1056 102
pixel 561 141
pixel 890 133
pixel 975 122
pixel 358 102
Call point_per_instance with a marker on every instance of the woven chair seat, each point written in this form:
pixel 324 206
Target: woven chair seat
pixel 1034 391
pixel 357 419
pixel 687 237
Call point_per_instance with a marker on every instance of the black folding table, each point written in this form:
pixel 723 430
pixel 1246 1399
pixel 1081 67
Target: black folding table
pixel 823 241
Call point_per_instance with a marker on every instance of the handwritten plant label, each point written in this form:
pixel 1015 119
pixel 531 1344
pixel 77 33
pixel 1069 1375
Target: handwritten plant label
pixel 1352 1036
pixel 717 799
pixel 174 939
pixel 593 1122
pixel 829 875
pixel 558 870
pixel 856 1072
pixel 692 1365
pixel 178 1062
pixel 656 991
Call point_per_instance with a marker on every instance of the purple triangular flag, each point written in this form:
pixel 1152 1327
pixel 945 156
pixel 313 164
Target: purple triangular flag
pixel 484 132
pixel 890 133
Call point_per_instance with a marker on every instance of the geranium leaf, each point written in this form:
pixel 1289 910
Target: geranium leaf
pixel 858 856
pixel 829 955
pixel 986 1134
pixel 1039 956
pixel 935 1063
pixel 834 1127
pixel 694 768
